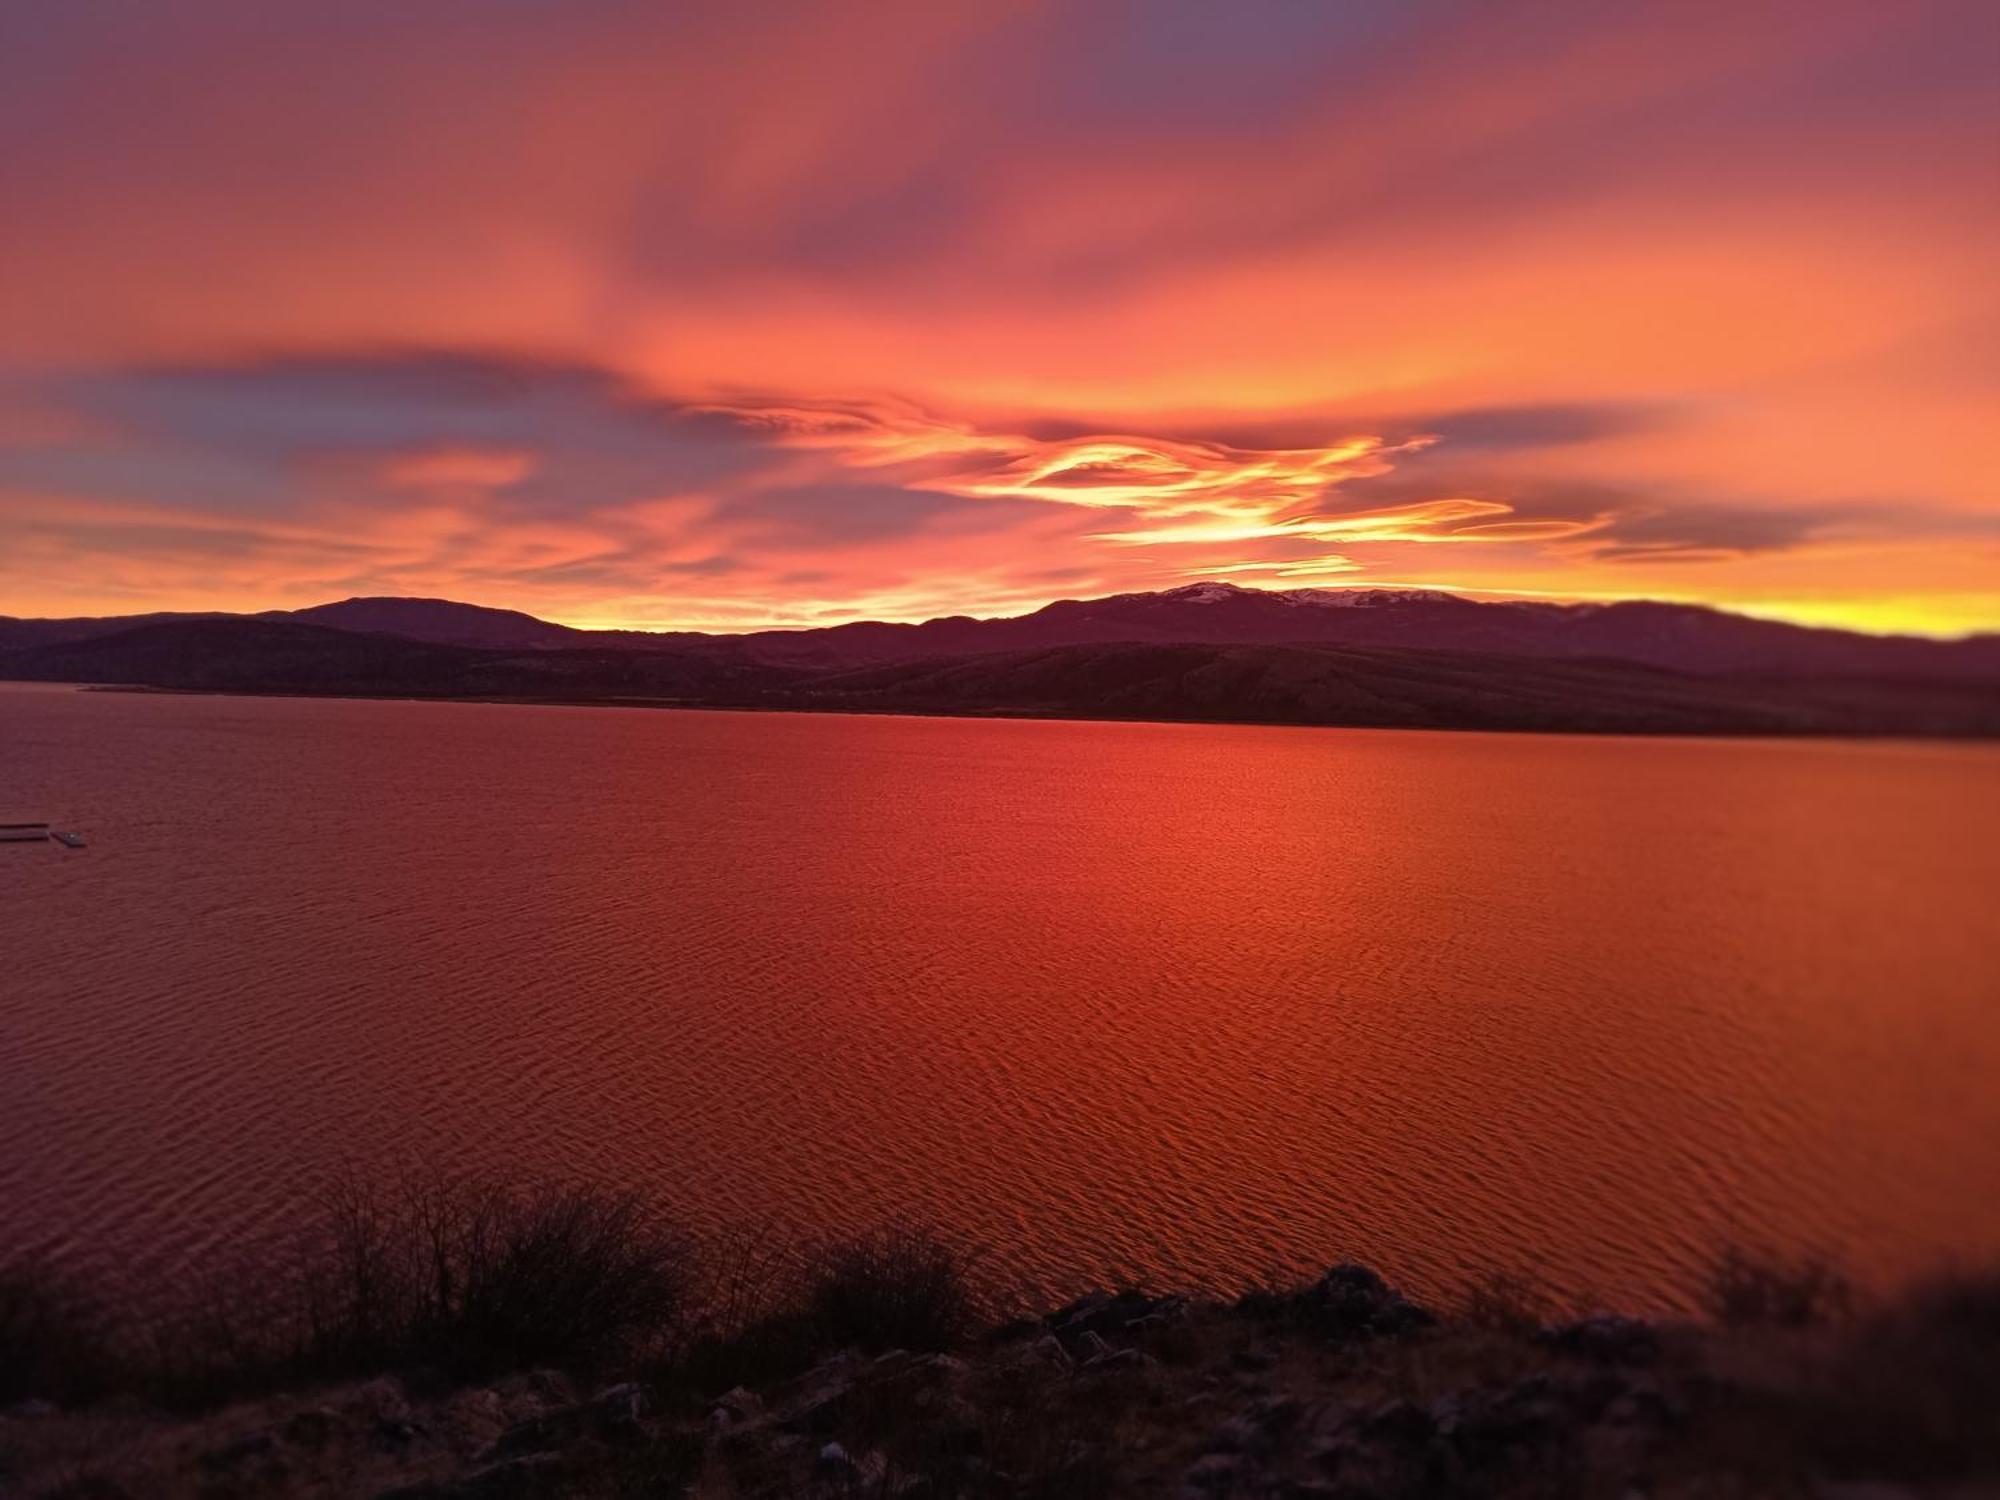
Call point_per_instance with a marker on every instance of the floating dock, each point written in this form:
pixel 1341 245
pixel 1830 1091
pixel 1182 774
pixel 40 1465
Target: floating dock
pixel 38 833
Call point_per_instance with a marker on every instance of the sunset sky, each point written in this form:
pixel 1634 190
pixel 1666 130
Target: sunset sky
pixel 731 315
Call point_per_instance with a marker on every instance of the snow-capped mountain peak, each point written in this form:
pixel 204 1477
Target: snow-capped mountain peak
pixel 1206 593
pixel 1212 591
pixel 1362 597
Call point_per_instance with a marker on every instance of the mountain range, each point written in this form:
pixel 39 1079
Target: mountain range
pixel 1208 651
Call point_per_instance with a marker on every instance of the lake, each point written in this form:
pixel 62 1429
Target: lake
pixel 1185 1003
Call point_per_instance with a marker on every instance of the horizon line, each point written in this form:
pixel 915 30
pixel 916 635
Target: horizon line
pixel 1792 613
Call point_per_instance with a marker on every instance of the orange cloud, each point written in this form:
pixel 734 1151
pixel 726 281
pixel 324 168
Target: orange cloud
pixel 459 468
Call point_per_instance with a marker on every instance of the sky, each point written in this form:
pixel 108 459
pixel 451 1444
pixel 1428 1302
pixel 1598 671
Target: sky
pixel 729 316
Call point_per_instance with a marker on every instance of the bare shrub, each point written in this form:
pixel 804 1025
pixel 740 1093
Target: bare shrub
pixel 474 1279
pixel 1747 1290
pixel 896 1289
pixel 225 1341
pixel 1912 1391
pixel 748 1275
pixel 52 1339
pixel 775 1309
pixel 1505 1302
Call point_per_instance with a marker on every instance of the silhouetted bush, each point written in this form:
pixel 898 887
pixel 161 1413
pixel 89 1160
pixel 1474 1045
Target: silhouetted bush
pixel 1913 1389
pixel 473 1280
pixel 774 1309
pixel 1505 1302
pixel 469 1280
pixel 463 1280
pixel 52 1339
pixel 225 1340
pixel 898 1289
pixel 1746 1290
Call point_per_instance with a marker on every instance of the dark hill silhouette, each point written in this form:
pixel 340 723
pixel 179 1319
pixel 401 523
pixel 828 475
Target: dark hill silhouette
pixel 442 622
pixel 1245 683
pixel 283 656
pixel 1397 688
pixel 1683 637
pixel 18 634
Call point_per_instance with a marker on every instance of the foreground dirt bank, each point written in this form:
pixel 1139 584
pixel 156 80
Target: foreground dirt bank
pixel 1341 1388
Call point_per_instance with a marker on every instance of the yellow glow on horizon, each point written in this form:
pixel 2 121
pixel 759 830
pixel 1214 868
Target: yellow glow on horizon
pixel 1916 616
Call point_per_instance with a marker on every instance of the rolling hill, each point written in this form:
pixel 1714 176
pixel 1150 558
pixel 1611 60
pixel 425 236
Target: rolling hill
pixel 1281 684
pixel 1682 637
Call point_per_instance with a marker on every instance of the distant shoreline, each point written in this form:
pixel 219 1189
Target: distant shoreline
pixel 1025 716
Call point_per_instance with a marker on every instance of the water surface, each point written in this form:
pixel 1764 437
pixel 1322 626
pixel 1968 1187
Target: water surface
pixel 1190 1003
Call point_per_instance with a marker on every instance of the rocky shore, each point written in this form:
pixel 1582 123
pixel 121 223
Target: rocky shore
pixel 1339 1388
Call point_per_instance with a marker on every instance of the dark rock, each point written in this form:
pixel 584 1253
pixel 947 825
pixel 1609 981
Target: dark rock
pixel 1646 1405
pixel 1608 1340
pixel 625 1401
pixel 1349 1302
pixel 1448 1415
pixel 1399 1424
pixel 1388 1451
pixel 1338 1456
pixel 1587 1398
pixel 1480 1433
pixel 1482 1429
pixel 1535 1387
pixel 552 1387
pixel 384 1398
pixel 236 1453
pixel 818 1400
pixel 1330 1418
pixel 954 1429
pixel 1237 1435
pixel 1049 1349
pixel 1115 1361
pixel 1278 1414
pixel 550 1430
pixel 422 1489
pixel 474 1419
pixel 735 1409
pixel 312 1427
pixel 615 1412
pixel 533 1474
pixel 1253 1358
pixel 1105 1315
pixel 1014 1331
pixel 88 1487
pixel 392 1434
pixel 1213 1474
